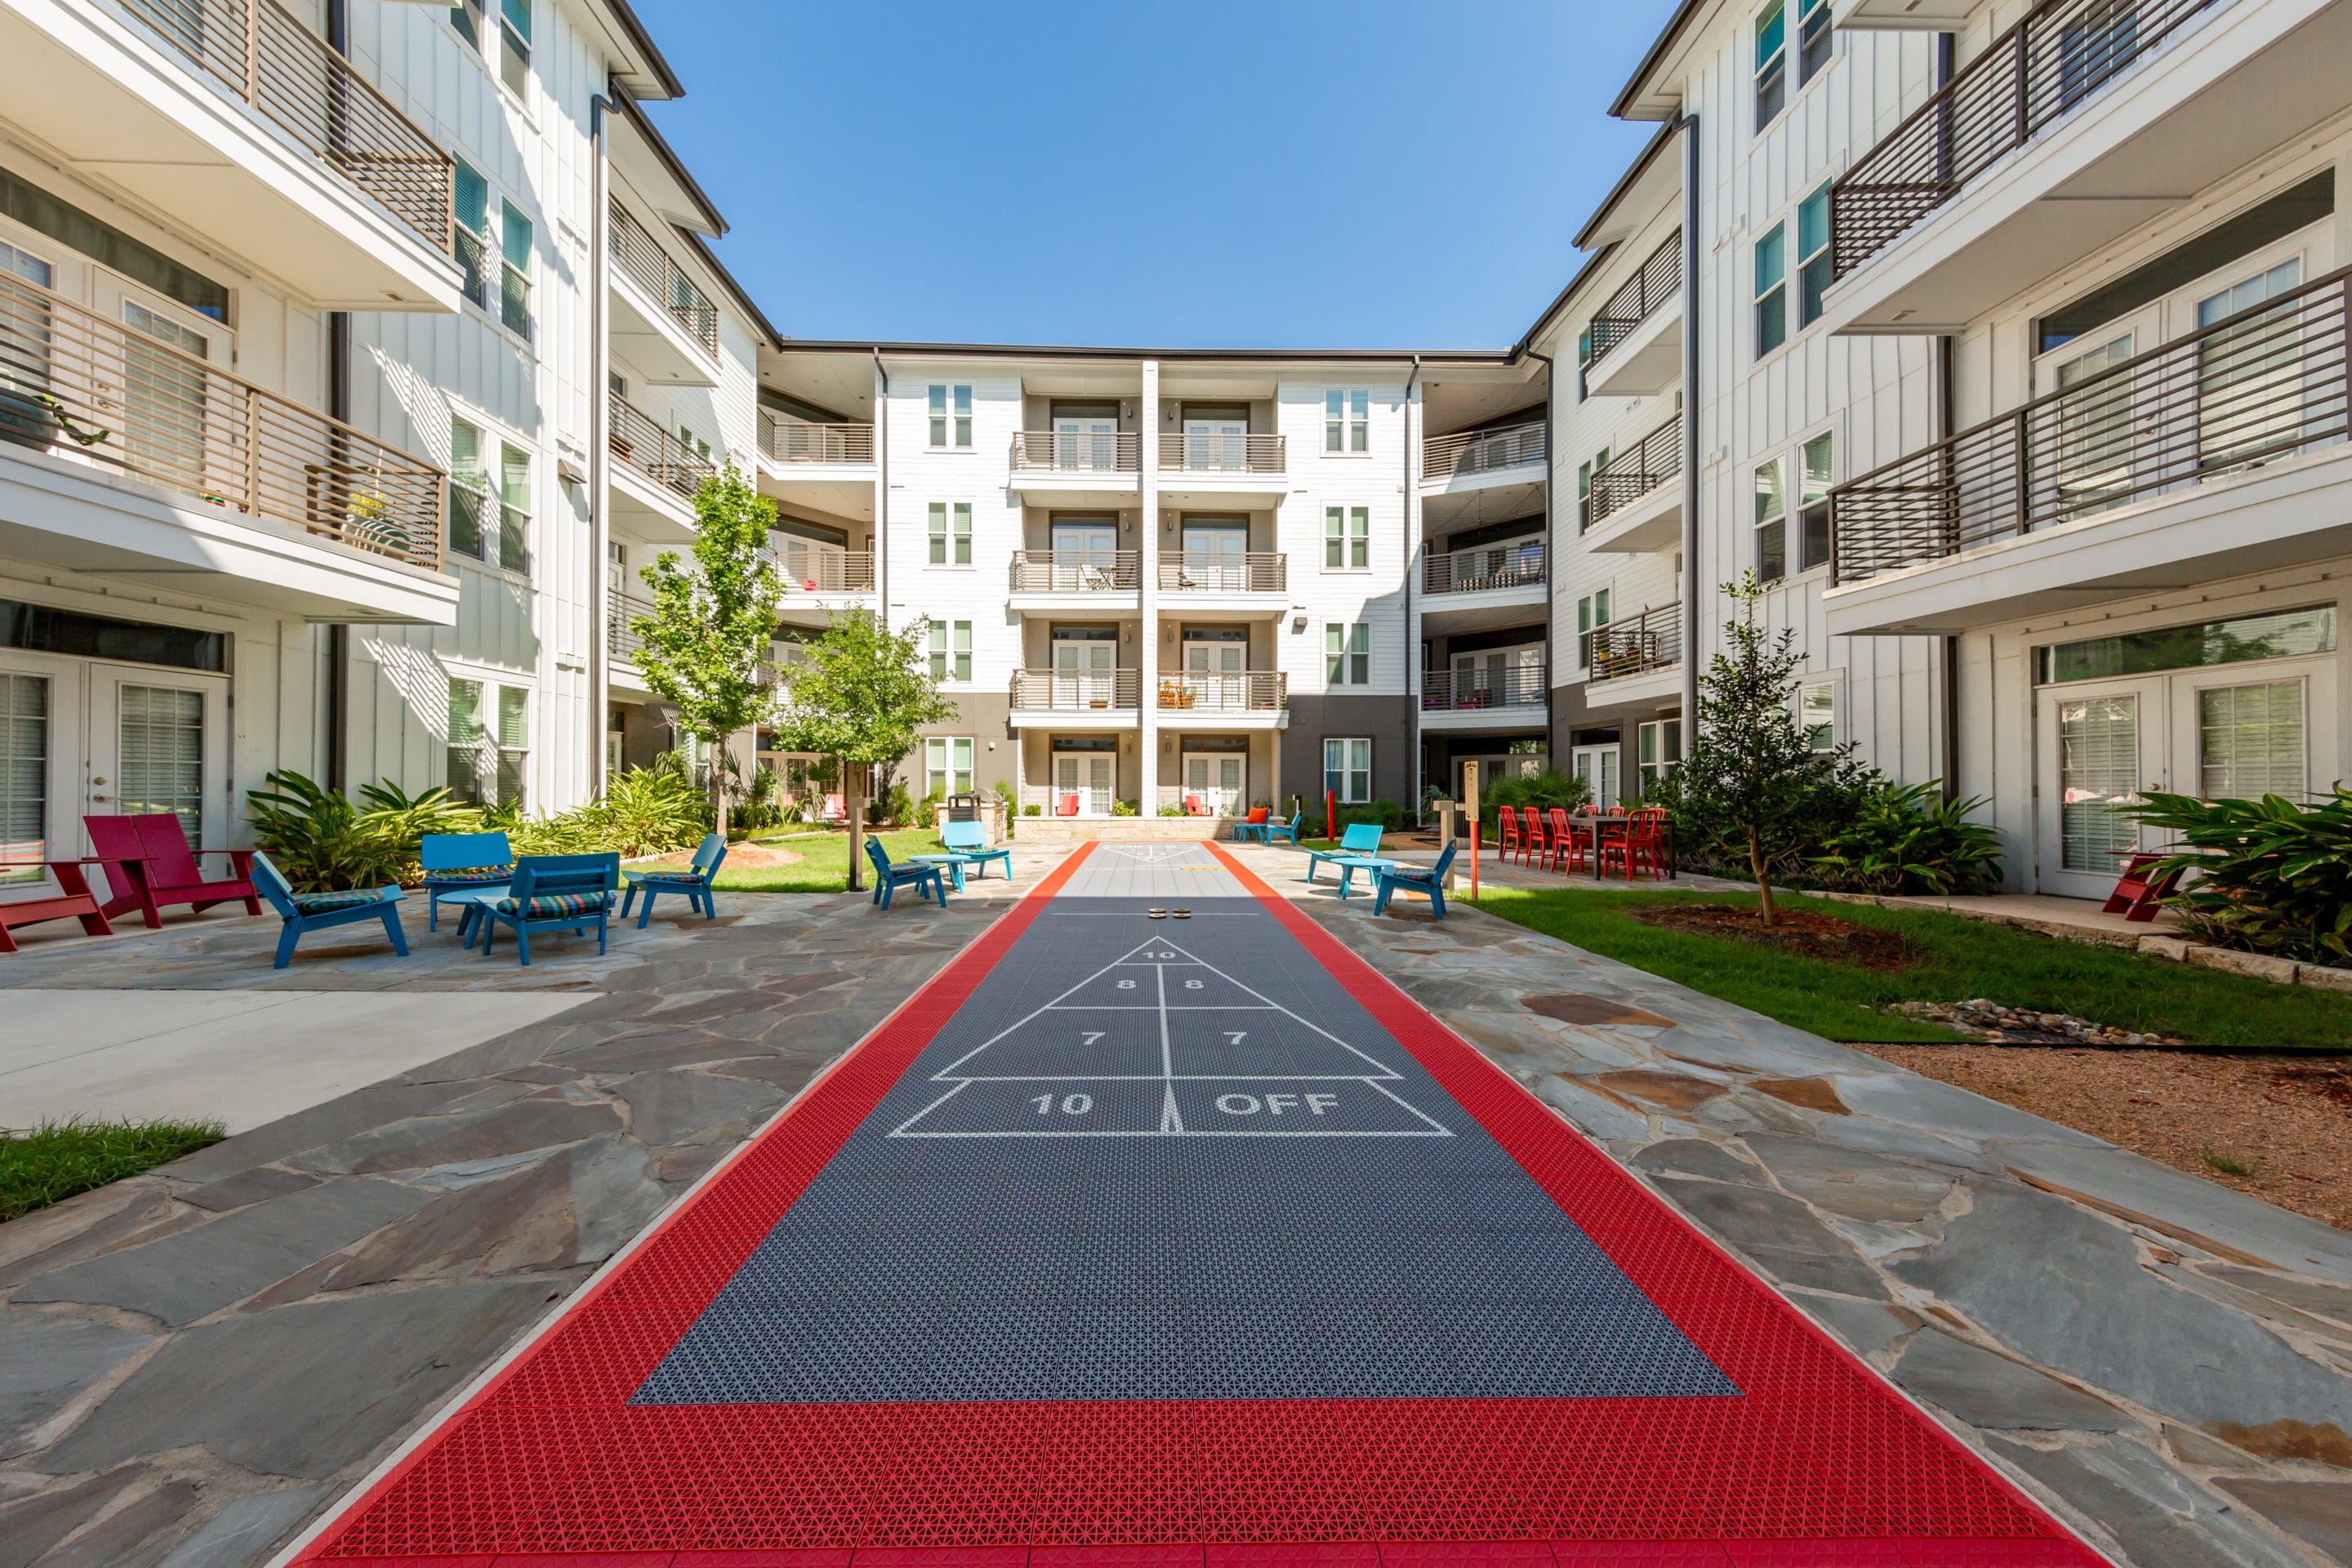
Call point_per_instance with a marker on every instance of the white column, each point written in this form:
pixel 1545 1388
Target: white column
pixel 1146 530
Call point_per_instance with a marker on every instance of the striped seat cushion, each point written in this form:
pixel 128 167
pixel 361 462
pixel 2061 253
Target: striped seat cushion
pixel 462 878
pixel 319 904
pixel 683 874
pixel 547 906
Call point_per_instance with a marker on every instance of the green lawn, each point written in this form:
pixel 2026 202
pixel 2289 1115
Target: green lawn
pixel 55 1159
pixel 1965 959
pixel 824 868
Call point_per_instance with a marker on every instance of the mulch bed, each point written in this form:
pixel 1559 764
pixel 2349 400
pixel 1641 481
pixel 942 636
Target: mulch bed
pixel 1823 937
pixel 2285 1123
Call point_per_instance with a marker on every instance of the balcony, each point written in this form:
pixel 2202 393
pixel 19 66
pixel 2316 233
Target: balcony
pixel 2208 456
pixel 1513 697
pixel 2078 126
pixel 1212 584
pixel 664 469
pixel 1243 696
pixel 622 642
pixel 1474 457
pixel 1077 699
pixel 1066 579
pixel 1084 469
pixel 795 444
pixel 1485 586
pixel 237 124
pixel 1636 506
pixel 1205 470
pixel 1638 659
pixel 1637 335
pixel 663 323
pixel 140 461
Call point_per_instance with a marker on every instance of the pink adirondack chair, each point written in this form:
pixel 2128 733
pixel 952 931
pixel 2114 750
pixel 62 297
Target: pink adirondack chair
pixel 149 865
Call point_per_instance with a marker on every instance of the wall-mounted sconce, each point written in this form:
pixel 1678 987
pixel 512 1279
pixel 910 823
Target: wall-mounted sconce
pixel 1169 635
pixel 1297 623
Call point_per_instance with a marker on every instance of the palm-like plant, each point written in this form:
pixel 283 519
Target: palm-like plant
pixel 1903 839
pixel 2273 876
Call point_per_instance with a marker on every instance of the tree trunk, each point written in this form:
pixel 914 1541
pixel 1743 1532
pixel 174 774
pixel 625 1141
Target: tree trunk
pixel 1763 881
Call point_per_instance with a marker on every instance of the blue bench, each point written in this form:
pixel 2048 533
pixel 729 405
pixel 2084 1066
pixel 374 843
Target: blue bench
pixel 969 841
pixel 550 893
pixel 694 880
pixel 307 912
pixel 1358 839
pixel 1412 880
pixel 930 881
pixel 461 863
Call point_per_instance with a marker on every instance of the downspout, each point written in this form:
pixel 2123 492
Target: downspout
pixel 881 584
pixel 1945 425
pixel 1411 643
pixel 339 407
pixel 600 378
pixel 1551 370
pixel 1691 574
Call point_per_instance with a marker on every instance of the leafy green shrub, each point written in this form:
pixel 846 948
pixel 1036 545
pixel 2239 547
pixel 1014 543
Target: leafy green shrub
pixel 2272 876
pixel 1387 813
pixel 1174 809
pixel 322 843
pixel 927 810
pixel 1123 808
pixel 1905 839
pixel 897 806
pixel 1032 809
pixel 1544 790
pixel 645 814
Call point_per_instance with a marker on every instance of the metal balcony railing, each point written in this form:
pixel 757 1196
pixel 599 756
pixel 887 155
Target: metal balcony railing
pixel 1660 279
pixel 1076 692
pixel 1076 571
pixel 1651 640
pixel 820 569
pixel 1077 452
pixel 1630 474
pixel 286 74
pixel 620 635
pixel 641 256
pixel 95 391
pixel 1517 564
pixel 1513 686
pixel 639 440
pixel 1481 451
pixel 791 441
pixel 2264 384
pixel 1222 453
pixel 1224 691
pixel 1225 572
pixel 2057 55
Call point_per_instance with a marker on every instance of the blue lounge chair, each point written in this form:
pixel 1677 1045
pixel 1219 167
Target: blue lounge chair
pixel 304 912
pixel 693 879
pixel 1388 879
pixel 461 863
pixel 1277 828
pixel 551 893
pixel 970 840
pixel 1359 839
pixel 930 882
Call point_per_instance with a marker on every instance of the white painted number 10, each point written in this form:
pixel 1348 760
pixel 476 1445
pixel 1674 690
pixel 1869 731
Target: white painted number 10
pixel 1072 1104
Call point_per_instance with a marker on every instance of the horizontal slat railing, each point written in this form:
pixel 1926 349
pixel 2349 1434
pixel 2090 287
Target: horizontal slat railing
pixel 1481 451
pixel 1076 571
pixel 1651 640
pixel 93 390
pixel 637 440
pixel 1222 453
pixel 1660 279
pixel 1078 691
pixel 621 612
pixel 1077 452
pixel 791 441
pixel 1217 572
pixel 287 73
pixel 641 256
pixel 2057 55
pixel 1517 564
pixel 819 569
pixel 1514 686
pixel 1635 472
pixel 2264 384
pixel 1225 691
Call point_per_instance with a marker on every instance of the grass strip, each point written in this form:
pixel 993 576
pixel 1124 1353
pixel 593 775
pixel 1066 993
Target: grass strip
pixel 824 865
pixel 55 1159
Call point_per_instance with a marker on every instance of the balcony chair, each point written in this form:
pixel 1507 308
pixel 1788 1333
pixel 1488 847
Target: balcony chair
pixel 551 893
pixel 1359 839
pixel 929 881
pixel 968 841
pixel 461 863
pixel 305 912
pixel 693 879
pixel 1390 879
pixel 149 865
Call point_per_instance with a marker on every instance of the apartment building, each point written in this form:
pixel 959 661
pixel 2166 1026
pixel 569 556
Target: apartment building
pixel 309 318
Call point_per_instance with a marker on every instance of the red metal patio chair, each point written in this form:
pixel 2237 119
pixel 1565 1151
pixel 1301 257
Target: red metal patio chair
pixel 2139 891
pixel 1535 849
pixel 1506 832
pixel 1643 842
pixel 149 865
pixel 1568 841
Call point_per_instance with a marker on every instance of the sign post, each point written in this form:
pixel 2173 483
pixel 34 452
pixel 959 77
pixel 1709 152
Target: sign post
pixel 1470 802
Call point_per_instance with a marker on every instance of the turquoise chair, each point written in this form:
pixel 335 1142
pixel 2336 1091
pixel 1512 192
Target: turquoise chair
pixel 461 863
pixel 1277 828
pixel 551 893
pixel 970 840
pixel 693 879
pixel 307 912
pixel 1387 880
pixel 929 881
pixel 1357 838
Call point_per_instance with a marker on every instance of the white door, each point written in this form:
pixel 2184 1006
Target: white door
pixel 1083 673
pixel 1086 775
pixel 2103 743
pixel 1085 441
pixel 2245 731
pixel 1597 766
pixel 1086 555
pixel 41 711
pixel 1219 445
pixel 1216 780
pixel 1214 674
pixel 1216 555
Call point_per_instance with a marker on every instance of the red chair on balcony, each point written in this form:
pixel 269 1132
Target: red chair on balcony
pixel 1506 832
pixel 149 865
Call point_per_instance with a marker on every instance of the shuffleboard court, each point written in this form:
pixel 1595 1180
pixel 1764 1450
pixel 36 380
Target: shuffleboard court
pixel 1159 1220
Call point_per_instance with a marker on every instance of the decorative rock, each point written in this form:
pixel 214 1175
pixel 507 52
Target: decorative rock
pixel 2173 949
pixel 2326 979
pixel 2001 1025
pixel 2261 965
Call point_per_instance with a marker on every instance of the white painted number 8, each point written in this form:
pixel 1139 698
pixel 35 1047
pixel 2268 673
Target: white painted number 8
pixel 1126 985
pixel 1192 986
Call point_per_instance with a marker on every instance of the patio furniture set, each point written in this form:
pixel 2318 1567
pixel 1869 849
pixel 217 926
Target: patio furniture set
pixel 1359 850
pixel 965 844
pixel 1556 838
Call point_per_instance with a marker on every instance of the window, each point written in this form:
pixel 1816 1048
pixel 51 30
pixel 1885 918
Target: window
pixel 514 274
pixel 1771 524
pixel 514 742
pixel 693 443
pixel 1584 497
pixel 466 15
pixel 950 650
pixel 1771 62
pixel 1812 255
pixel 1346 538
pixel 1348 770
pixel 24 747
pixel 470 239
pixel 959 423
pixel 514 46
pixel 1583 361
pixel 1813 465
pixel 947 765
pixel 1591 615
pixel 951 533
pixel 1597 766
pixel 469 485
pixel 1817 713
pixel 1346 420
pixel 1658 746
pixel 487 768
pixel 1772 290
pixel 1347 653
pixel 1815 38
pixel 2280 634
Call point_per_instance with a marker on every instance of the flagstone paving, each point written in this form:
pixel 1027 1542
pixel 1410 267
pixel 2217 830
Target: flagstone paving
pixel 195 1363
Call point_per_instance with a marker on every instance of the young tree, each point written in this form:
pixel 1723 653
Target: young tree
pixel 1751 783
pixel 860 694
pixel 705 642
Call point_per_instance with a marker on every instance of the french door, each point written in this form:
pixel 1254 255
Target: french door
pixel 1218 444
pixel 1084 673
pixel 1217 780
pixel 1085 442
pixel 1215 673
pixel 1084 778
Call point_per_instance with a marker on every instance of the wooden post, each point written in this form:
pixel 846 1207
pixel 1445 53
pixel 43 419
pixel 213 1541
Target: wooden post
pixel 1470 800
pixel 857 804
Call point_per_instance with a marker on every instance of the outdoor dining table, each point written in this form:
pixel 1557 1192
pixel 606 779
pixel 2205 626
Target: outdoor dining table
pixel 1601 825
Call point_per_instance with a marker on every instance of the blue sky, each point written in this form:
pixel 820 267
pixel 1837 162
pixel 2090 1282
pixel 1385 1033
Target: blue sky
pixel 1286 174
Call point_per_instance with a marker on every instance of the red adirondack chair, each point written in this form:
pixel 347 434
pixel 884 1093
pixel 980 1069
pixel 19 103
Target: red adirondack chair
pixel 74 901
pixel 2138 892
pixel 148 864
